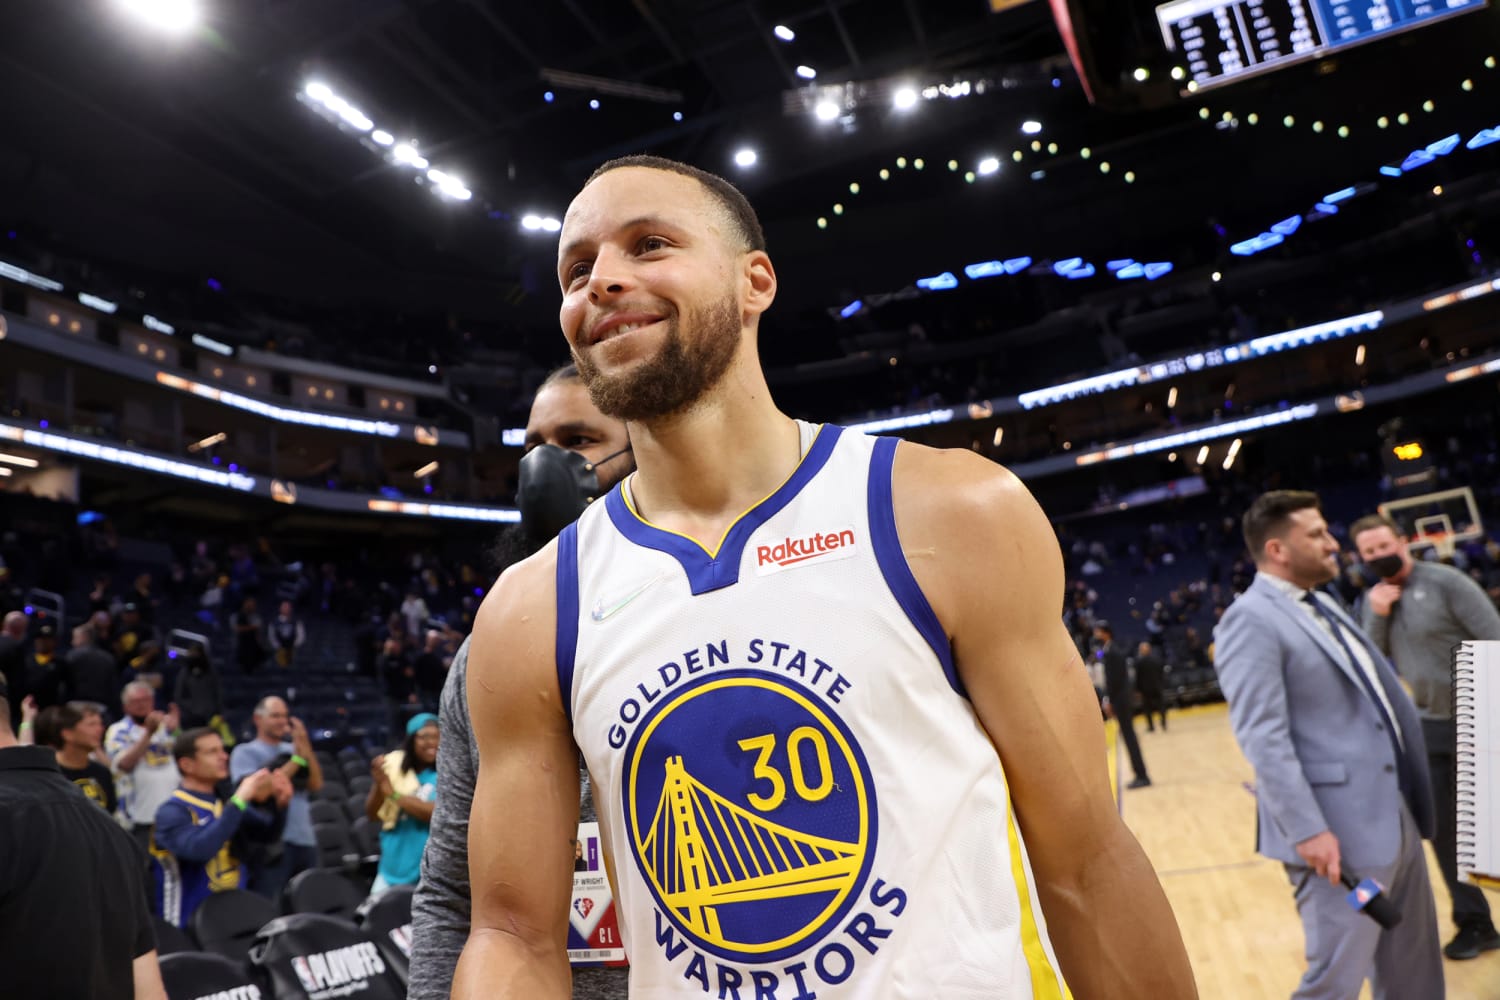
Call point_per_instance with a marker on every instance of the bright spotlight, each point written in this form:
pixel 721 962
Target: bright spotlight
pixel 1031 127
pixel 382 137
pixel 745 157
pixel 826 111
pixel 551 225
pixel 531 223
pixel 904 99
pixel 175 17
pixel 988 165
pixel 1141 74
pixel 784 33
pixel 807 72
pixel 1178 73
pixel 318 91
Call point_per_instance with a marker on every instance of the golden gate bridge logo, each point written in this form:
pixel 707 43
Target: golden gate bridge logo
pixel 755 843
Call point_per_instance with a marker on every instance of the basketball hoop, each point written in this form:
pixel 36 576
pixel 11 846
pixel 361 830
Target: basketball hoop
pixel 1441 542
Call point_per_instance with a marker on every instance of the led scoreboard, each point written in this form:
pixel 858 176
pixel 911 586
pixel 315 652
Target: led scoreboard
pixel 1218 42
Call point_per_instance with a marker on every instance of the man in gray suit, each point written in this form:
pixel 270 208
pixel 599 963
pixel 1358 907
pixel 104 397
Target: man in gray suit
pixel 1340 765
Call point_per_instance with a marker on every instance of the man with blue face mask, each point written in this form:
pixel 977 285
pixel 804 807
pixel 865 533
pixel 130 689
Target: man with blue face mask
pixel 1416 613
pixel 575 454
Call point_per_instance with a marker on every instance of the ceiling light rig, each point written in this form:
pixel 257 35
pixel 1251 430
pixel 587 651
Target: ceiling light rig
pixel 404 153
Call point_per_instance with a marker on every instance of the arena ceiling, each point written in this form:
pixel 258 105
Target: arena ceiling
pixel 217 153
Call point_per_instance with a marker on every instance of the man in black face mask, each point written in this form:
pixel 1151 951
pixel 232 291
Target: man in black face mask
pixel 1416 613
pixel 575 454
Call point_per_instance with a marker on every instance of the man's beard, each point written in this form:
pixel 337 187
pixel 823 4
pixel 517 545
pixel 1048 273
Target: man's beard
pixel 677 377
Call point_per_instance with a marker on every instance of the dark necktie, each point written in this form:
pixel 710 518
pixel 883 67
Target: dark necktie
pixel 1364 679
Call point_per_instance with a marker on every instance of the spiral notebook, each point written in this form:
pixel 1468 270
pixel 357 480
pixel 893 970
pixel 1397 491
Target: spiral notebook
pixel 1476 711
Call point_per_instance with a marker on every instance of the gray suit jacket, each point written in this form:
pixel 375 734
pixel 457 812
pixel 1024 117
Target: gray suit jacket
pixel 1322 758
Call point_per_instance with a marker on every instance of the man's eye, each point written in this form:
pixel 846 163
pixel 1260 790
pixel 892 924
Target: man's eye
pixel 578 271
pixel 651 243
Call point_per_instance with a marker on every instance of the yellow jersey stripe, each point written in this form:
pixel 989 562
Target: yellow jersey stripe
pixel 1046 983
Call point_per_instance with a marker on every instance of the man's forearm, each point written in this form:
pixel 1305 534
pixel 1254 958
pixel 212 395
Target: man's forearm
pixel 1112 928
pixel 130 758
pixel 496 965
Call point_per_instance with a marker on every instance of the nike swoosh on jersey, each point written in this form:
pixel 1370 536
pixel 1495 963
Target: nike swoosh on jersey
pixel 603 611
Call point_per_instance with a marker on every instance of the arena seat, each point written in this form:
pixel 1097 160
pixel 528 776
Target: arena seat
pixel 386 918
pixel 332 813
pixel 366 836
pixel 195 974
pixel 322 890
pixel 334 846
pixel 226 923
pixel 307 954
pixel 170 940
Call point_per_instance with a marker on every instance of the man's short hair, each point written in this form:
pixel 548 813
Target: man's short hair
pixel 1269 514
pixel 135 687
pixel 567 373
pixel 53 721
pixel 734 203
pixel 264 705
pixel 1370 522
pixel 186 743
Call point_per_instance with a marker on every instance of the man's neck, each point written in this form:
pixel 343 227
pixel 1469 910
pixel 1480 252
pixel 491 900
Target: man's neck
pixel 73 757
pixel 1400 578
pixel 1284 574
pixel 139 720
pixel 269 741
pixel 701 468
pixel 197 786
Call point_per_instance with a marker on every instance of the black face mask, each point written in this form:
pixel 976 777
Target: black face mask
pixel 1385 566
pixel 556 486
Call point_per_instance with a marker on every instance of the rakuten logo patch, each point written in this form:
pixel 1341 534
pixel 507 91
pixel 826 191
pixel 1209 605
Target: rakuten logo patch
pixel 819 546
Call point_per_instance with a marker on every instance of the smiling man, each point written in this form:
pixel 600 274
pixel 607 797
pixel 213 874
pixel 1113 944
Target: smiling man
pixel 870 770
pixel 1340 775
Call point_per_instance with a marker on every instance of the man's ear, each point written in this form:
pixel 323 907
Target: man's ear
pixel 760 280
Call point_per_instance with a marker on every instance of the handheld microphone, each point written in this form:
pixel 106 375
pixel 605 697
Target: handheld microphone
pixel 1368 897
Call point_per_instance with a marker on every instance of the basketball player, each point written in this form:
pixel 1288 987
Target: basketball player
pixel 842 744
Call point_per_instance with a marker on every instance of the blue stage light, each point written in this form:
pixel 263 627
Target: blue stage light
pixel 939 283
pixel 1390 171
pixel 1158 270
pixel 1116 265
pixel 1068 265
pixel 1446 145
pixel 1086 271
pixel 1417 158
pixel 1288 226
pixel 1485 137
pixel 1343 195
pixel 1323 208
pixel 1016 265
pixel 987 269
pixel 851 308
pixel 1131 272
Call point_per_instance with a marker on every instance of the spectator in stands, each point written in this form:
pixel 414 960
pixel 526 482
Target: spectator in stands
pixel 287 635
pixel 89 672
pixel 137 646
pixel 102 597
pixel 13 656
pixel 414 613
pixel 295 759
pixel 64 865
pixel 1416 614
pixel 249 639
pixel 194 826
pixel 399 672
pixel 145 602
pixel 1150 675
pixel 74 731
pixel 431 669
pixel 198 692
pixel 1119 698
pixel 401 799
pixel 44 671
pixel 140 754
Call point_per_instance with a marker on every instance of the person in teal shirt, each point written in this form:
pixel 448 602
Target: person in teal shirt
pixel 401 800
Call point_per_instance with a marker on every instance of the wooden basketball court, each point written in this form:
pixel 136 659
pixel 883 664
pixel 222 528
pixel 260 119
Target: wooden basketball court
pixel 1197 824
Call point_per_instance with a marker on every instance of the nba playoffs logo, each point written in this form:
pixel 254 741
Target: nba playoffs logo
pixel 750 815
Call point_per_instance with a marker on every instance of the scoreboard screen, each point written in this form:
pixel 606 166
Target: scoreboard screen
pixel 1220 41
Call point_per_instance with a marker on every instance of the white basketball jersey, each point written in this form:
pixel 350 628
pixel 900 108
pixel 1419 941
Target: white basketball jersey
pixel 798 798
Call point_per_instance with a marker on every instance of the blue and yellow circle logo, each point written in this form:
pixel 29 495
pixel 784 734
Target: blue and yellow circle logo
pixel 750 814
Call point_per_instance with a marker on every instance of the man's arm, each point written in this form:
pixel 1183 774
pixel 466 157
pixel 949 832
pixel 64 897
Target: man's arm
pixel 985 555
pixel 176 834
pixel 302 747
pixel 1473 608
pixel 520 861
pixel 1250 675
pixel 124 756
pixel 440 908
pixel 147 975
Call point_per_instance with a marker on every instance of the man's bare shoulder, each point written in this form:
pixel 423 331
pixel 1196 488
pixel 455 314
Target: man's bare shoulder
pixel 516 625
pixel 953 490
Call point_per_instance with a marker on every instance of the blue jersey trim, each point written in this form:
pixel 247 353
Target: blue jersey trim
pixel 893 566
pixel 567 613
pixel 707 572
